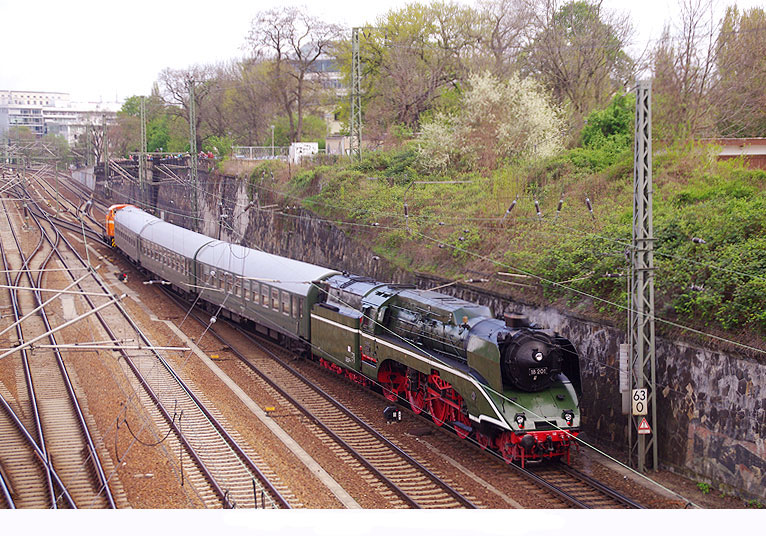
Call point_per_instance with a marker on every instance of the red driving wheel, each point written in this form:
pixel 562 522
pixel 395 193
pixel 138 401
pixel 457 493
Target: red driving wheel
pixel 483 440
pixel 415 398
pixel 507 448
pixel 439 410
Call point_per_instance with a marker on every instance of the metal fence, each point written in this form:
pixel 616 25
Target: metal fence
pixel 260 153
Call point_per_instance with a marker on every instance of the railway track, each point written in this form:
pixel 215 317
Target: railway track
pixel 225 473
pixel 49 406
pixel 401 480
pixel 581 490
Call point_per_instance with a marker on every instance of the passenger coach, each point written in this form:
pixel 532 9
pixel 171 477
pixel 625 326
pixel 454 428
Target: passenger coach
pixel 245 283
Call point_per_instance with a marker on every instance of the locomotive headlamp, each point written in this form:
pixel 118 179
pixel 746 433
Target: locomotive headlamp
pixel 539 356
pixel 568 416
pixel 520 418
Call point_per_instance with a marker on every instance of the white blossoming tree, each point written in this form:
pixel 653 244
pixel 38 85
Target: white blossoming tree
pixel 496 121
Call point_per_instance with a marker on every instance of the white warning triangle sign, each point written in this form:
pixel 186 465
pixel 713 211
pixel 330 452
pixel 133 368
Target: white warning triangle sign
pixel 644 428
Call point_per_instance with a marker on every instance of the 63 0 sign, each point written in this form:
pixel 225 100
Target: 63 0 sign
pixel 639 399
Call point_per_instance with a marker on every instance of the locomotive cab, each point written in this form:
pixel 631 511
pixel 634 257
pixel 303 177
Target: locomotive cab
pixel 109 222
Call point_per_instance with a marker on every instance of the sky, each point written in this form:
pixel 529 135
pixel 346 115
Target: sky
pixel 108 50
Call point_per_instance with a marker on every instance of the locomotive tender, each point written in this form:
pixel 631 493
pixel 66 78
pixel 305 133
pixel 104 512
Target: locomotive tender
pixel 507 384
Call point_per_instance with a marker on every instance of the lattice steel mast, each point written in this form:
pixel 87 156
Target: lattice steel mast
pixel 355 121
pixel 643 447
pixel 142 157
pixel 193 154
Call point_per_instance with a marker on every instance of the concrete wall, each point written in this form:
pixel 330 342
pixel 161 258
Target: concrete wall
pixel 85 176
pixel 711 405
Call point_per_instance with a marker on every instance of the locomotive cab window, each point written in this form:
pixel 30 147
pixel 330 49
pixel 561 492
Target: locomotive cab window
pixel 367 318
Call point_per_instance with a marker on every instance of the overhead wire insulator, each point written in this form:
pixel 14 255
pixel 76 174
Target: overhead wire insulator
pixel 406 216
pixel 511 207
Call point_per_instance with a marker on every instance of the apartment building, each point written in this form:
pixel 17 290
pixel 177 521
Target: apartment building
pixel 46 112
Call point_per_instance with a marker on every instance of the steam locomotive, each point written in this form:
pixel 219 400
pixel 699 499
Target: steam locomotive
pixel 505 383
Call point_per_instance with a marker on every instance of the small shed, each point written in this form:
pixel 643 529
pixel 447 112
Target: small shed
pixel 752 149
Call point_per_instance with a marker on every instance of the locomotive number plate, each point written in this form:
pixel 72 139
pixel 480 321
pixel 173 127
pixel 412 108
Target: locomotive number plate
pixel 541 371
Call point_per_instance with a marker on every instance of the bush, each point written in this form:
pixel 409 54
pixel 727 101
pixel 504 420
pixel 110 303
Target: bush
pixel 496 121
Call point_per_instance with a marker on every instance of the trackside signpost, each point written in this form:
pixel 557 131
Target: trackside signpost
pixel 638 398
pixel 644 428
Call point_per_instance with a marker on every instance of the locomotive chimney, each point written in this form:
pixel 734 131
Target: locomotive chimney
pixel 515 320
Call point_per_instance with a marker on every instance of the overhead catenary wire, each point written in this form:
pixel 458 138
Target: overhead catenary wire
pixel 444 244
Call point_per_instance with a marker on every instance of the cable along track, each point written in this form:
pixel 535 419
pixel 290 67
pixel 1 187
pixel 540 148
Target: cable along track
pixel 396 476
pixel 225 473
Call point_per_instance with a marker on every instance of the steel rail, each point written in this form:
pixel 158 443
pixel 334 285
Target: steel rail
pixel 25 363
pixel 40 444
pixel 38 451
pixel 171 420
pixel 6 492
pixel 58 197
pixel 95 460
pixel 277 497
pixel 603 488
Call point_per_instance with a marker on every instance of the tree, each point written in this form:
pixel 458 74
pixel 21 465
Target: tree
pixel 577 52
pixel 741 67
pixel 504 32
pixel 414 60
pixel 292 41
pixel 251 102
pixel 176 88
pixel 684 74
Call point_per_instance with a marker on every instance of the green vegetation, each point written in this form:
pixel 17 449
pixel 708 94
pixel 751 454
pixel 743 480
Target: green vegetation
pixel 704 487
pixel 454 225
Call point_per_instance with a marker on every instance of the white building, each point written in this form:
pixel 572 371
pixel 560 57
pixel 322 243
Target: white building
pixel 45 112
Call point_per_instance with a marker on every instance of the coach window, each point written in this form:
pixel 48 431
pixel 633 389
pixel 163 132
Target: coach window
pixel 256 292
pixel 285 303
pixel 237 286
pixel 295 306
pixel 275 299
pixel 264 295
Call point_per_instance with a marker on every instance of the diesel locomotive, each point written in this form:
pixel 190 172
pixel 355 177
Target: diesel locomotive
pixel 507 384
